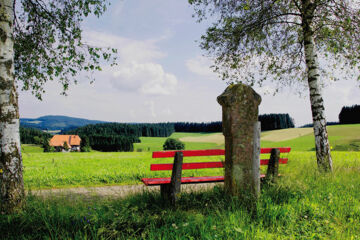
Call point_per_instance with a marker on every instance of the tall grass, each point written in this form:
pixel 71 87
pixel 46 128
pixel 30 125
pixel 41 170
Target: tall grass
pixel 303 204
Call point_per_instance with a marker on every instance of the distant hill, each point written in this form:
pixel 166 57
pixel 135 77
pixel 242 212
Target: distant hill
pixel 53 122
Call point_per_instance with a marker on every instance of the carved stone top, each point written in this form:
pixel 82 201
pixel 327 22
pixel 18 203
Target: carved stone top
pixel 239 94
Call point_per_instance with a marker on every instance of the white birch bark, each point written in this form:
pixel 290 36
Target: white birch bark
pixel 11 179
pixel 323 155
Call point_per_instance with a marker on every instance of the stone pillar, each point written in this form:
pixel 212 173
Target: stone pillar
pixel 242 140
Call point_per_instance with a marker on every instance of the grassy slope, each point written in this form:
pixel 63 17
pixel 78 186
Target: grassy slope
pixel 341 137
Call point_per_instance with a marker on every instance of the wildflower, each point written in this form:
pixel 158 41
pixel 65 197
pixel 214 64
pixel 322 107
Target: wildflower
pixel 185 224
pixel 1 171
pixel 174 226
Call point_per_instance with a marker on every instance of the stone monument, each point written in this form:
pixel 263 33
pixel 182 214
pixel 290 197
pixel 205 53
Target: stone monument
pixel 242 140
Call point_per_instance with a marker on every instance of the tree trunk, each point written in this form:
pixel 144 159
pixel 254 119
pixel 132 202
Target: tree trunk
pixel 11 178
pixel 323 156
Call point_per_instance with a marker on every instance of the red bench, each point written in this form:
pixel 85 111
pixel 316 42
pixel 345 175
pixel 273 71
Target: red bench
pixel 168 183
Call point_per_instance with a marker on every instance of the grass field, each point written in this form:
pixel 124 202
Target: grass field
pixel 57 170
pixel 304 204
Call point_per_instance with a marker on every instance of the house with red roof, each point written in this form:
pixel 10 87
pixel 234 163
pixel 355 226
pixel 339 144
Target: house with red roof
pixel 60 141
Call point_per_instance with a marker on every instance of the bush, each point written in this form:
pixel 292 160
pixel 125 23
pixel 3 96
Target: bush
pixel 66 146
pixel 46 146
pixel 84 144
pixel 173 144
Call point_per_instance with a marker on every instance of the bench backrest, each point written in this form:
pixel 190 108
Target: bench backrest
pixel 208 152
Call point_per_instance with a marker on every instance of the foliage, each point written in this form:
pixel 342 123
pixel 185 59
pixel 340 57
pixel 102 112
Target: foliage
pixel 136 129
pixel 112 143
pixel 268 122
pixel 46 146
pixel 85 144
pixel 49 42
pixel 120 136
pixel 173 144
pixel 302 205
pixel 350 114
pixel 66 146
pixel 275 121
pixel 253 41
pixel 198 127
pixel 38 140
pixel 32 135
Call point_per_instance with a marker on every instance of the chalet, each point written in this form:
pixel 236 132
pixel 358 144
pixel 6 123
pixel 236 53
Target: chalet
pixel 72 141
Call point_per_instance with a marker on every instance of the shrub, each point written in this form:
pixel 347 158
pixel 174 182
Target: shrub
pixel 173 144
pixel 46 146
pixel 84 144
pixel 66 146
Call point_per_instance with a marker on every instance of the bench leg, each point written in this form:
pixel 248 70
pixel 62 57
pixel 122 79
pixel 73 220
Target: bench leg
pixel 273 166
pixel 165 190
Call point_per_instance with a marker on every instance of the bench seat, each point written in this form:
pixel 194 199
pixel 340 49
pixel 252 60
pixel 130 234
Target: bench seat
pixel 184 180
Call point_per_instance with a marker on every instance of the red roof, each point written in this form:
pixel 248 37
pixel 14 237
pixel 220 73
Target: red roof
pixel 71 140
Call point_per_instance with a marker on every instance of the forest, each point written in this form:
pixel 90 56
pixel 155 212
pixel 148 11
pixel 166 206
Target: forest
pixel 350 114
pixel 114 137
pixel 32 135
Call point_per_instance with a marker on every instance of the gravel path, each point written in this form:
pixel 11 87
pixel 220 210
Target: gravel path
pixel 114 191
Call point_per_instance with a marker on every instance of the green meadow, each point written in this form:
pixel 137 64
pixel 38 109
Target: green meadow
pixel 303 204
pixel 59 170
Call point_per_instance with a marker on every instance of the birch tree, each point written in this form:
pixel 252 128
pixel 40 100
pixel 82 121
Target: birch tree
pixel 40 41
pixel 283 40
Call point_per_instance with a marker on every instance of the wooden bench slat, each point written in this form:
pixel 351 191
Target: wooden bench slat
pixel 185 180
pixel 189 153
pixel 202 165
pixel 197 165
pixel 208 152
pixel 282 150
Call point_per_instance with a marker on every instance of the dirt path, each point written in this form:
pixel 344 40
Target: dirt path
pixel 114 191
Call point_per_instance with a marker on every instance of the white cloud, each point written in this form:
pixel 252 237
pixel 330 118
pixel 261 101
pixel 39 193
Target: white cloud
pixel 137 70
pixel 201 66
pixel 145 78
pixel 128 49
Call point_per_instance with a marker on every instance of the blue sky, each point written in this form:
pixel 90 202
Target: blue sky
pixel 162 74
